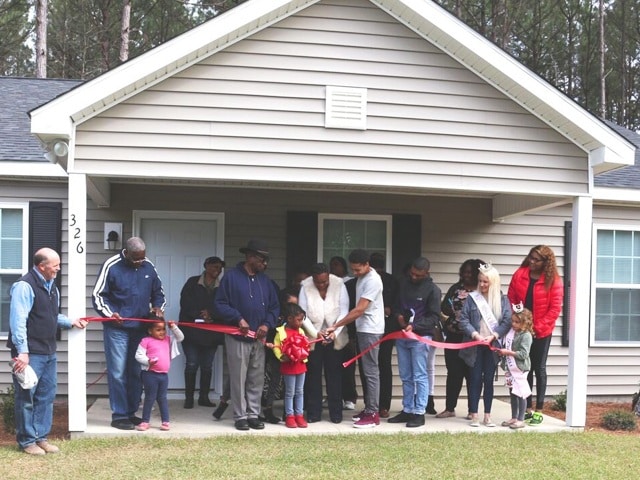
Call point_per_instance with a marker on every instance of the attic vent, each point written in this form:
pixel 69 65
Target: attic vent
pixel 346 108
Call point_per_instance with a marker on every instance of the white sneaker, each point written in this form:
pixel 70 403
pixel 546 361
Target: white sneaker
pixel 348 406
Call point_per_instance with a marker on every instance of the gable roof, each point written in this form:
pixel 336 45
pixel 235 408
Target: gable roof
pixel 625 177
pixel 17 97
pixel 606 149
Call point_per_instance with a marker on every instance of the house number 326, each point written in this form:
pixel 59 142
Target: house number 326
pixel 77 234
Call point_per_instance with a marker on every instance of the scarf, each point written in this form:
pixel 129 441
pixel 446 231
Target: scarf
pixel 323 313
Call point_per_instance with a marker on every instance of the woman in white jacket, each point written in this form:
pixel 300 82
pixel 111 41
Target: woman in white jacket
pixel 325 299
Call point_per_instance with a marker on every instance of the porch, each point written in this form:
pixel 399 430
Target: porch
pixel 199 423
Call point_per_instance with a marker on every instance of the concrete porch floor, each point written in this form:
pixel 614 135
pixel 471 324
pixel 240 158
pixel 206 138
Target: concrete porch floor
pixel 199 423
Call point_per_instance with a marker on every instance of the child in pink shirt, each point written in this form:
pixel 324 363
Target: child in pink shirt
pixel 155 353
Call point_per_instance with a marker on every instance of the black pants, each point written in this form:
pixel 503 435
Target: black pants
pixel 457 372
pixel 324 357
pixel 349 391
pixel 538 354
pixel 386 377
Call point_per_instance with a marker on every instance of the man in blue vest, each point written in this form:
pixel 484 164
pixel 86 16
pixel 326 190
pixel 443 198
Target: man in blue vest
pixel 34 319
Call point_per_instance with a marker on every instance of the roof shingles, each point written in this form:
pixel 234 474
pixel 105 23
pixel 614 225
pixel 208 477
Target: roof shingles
pixel 18 96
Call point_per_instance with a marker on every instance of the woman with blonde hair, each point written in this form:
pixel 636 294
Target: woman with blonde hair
pixel 486 316
pixel 538 286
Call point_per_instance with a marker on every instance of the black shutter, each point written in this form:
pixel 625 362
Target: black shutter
pixel 407 241
pixel 302 241
pixel 568 229
pixel 45 230
pixel 45 226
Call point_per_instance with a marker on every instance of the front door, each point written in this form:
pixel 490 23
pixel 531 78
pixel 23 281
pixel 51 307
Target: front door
pixel 177 244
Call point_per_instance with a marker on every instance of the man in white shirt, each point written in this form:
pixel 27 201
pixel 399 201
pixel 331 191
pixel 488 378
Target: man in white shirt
pixel 369 317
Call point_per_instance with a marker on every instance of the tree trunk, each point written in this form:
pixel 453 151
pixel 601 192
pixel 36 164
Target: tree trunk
pixel 602 53
pixel 41 39
pixel 124 31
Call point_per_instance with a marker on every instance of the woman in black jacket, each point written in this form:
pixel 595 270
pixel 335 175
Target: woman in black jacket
pixel 196 305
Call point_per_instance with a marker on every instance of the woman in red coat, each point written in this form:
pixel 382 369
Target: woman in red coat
pixel 539 287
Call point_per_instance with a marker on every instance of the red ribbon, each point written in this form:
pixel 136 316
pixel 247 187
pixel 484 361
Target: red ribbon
pixel 212 327
pixel 403 335
pixel 229 330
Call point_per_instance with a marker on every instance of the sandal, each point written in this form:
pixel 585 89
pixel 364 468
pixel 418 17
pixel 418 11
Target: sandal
pixel 487 422
pixel 474 421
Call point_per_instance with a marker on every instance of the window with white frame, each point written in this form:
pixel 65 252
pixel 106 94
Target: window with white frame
pixel 13 261
pixel 617 286
pixel 339 234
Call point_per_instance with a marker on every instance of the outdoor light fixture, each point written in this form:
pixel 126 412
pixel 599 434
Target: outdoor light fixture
pixel 55 150
pixel 60 148
pixel 112 239
pixel 112 236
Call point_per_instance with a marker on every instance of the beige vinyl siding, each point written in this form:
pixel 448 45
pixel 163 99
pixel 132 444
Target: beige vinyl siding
pixel 453 230
pixel 260 103
pixel 613 371
pixel 25 192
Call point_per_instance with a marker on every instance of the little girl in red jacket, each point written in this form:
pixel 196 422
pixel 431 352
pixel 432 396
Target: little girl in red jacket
pixel 291 347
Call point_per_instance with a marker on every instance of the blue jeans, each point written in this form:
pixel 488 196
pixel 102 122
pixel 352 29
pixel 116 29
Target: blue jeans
pixel 156 385
pixel 34 408
pixel 293 394
pixel 412 366
pixel 481 374
pixel 123 371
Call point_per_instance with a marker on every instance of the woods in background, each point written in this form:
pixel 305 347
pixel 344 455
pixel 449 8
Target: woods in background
pixel 588 49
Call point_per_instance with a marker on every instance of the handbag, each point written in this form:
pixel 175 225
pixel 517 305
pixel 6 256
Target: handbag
pixel 438 331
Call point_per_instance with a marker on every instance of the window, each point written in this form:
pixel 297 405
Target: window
pixel 13 261
pixel 339 234
pixel 617 287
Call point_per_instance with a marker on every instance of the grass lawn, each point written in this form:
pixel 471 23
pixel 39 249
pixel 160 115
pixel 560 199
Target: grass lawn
pixel 430 456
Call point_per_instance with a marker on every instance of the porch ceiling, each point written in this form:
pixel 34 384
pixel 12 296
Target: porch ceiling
pixel 504 205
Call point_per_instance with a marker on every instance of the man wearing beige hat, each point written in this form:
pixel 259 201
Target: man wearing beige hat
pixel 248 299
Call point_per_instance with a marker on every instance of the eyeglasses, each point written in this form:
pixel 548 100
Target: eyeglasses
pixel 262 258
pixel 535 259
pixel 134 260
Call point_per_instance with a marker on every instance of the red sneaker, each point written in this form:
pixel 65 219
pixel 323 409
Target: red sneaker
pixel 368 420
pixel 290 422
pixel 358 416
pixel 300 421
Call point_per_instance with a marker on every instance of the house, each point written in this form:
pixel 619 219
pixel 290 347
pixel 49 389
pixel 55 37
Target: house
pixel 321 125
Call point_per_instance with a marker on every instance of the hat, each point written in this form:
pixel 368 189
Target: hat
pixel 27 378
pixel 256 245
pixel 210 260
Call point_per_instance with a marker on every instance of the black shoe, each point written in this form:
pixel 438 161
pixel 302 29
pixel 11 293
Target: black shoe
pixel 242 424
pixel 270 417
pixel 416 421
pixel 220 410
pixel 135 420
pixel 430 406
pixel 123 424
pixel 205 402
pixel 312 419
pixel 402 417
pixel 335 420
pixel 188 403
pixel 255 423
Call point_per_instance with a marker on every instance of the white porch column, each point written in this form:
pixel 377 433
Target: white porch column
pixel 580 288
pixel 77 292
